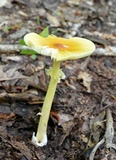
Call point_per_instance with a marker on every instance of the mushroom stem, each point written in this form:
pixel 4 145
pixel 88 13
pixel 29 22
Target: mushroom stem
pixel 41 136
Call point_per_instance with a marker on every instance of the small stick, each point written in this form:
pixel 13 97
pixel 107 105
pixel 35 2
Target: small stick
pixel 28 97
pixel 109 134
pixel 108 137
pixel 95 149
pixel 13 48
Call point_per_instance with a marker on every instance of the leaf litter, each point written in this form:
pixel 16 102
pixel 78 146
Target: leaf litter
pixel 79 102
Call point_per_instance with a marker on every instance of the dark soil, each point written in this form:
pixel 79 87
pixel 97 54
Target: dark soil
pixel 79 117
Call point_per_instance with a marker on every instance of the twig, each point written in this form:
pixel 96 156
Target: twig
pixel 108 137
pixel 8 79
pixel 109 51
pixel 95 148
pixel 13 48
pixel 27 97
pixel 109 134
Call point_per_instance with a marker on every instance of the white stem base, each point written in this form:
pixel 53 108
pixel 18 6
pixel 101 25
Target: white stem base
pixel 36 143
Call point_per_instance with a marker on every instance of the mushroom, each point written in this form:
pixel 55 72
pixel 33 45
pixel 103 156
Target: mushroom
pixel 60 49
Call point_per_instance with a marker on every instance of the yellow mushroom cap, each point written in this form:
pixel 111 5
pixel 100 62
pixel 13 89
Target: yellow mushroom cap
pixel 59 48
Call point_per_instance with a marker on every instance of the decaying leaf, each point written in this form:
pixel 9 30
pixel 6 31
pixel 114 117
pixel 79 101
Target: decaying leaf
pixel 95 124
pixel 22 148
pixel 65 120
pixel 87 78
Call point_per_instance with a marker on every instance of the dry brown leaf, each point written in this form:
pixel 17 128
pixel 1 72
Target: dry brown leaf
pixel 67 123
pixel 65 120
pixel 95 124
pixel 87 78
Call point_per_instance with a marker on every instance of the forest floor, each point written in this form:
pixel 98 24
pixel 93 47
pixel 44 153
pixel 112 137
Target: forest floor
pixel 82 123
